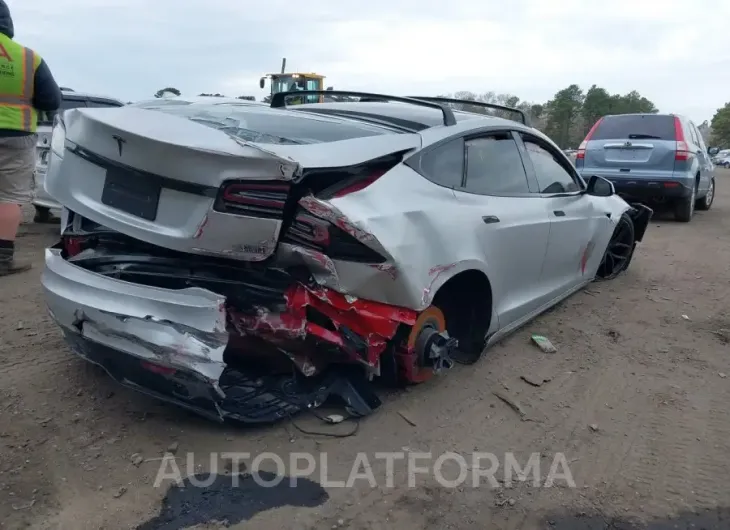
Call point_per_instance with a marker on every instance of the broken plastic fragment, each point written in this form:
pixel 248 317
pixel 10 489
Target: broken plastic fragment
pixel 544 344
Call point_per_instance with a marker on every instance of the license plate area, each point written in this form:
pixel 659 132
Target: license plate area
pixel 135 194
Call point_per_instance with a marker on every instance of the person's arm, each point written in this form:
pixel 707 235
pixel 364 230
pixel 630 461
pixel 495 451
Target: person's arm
pixel 46 95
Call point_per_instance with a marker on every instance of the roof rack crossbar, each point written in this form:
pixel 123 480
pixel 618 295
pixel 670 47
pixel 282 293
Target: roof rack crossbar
pixel 279 100
pixel 476 103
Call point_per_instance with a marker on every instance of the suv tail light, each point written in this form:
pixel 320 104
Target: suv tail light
pixel 581 154
pixel 682 153
pixel 263 199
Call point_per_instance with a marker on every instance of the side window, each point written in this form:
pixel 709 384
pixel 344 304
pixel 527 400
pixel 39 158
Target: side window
pixel 444 165
pixel 693 133
pixel 552 177
pixel 700 140
pixel 494 166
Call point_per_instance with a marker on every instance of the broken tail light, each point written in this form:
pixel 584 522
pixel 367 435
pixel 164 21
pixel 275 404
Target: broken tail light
pixel 318 234
pixel 263 199
pixel 73 245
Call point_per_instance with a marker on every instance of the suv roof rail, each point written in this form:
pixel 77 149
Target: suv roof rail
pixel 494 106
pixel 279 100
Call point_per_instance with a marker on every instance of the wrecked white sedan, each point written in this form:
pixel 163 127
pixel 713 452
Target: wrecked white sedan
pixel 248 262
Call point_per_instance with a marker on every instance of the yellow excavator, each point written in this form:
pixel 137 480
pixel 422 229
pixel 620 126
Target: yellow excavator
pixel 291 82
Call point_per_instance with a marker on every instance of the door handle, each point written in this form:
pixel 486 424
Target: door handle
pixel 490 219
pixel 559 213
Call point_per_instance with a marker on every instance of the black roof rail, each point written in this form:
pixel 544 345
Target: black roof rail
pixel 279 100
pixel 476 103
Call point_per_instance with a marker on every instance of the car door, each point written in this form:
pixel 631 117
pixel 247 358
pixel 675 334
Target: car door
pixel 515 227
pixel 576 223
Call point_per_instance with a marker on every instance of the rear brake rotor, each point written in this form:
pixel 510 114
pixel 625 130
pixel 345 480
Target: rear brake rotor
pixel 431 318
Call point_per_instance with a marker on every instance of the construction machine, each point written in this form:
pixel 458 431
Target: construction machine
pixel 291 82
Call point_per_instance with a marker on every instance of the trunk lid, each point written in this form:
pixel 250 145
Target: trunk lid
pixel 158 178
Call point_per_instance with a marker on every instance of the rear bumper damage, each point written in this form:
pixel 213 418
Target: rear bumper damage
pixel 249 362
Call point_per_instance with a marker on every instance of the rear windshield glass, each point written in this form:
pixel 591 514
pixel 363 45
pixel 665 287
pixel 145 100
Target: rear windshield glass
pixel 635 126
pixel 252 125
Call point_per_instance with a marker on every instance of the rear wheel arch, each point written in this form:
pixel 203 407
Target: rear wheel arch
pixel 466 300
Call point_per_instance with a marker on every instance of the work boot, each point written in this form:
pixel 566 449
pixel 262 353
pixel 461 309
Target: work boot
pixel 9 265
pixel 44 216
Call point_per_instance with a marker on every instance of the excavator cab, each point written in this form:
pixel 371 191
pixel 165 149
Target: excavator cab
pixel 294 82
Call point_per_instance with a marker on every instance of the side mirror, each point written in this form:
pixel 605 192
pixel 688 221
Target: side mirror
pixel 712 151
pixel 262 82
pixel 330 88
pixel 600 187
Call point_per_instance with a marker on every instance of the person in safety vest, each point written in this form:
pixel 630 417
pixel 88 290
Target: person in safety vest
pixel 26 87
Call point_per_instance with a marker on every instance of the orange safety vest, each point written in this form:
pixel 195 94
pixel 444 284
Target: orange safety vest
pixel 18 66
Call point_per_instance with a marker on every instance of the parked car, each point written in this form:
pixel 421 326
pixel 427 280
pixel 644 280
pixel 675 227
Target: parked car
pixel 722 158
pixel 43 202
pixel 247 261
pixel 658 158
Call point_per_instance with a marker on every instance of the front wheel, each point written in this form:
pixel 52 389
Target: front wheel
pixel 706 202
pixel 619 251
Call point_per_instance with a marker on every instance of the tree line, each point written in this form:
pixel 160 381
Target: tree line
pixel 571 112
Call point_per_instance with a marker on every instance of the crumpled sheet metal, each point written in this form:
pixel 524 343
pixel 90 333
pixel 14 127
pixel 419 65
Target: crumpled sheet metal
pixel 185 328
pixel 353 320
pixel 420 254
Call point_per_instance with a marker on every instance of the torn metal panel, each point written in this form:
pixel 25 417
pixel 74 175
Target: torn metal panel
pixel 360 328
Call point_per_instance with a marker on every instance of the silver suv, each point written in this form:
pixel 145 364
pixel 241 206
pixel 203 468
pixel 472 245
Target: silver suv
pixel 43 202
pixel 654 158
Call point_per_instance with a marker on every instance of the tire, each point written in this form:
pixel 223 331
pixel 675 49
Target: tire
pixel 706 202
pixel 685 208
pixel 624 236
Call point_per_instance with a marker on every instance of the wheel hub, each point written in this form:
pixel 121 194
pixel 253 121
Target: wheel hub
pixel 434 349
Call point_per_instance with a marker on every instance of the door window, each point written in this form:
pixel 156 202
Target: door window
pixel 552 177
pixel 494 166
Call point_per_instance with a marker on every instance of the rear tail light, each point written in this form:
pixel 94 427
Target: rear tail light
pixel 581 154
pixel 682 153
pixel 671 184
pixel 72 245
pixel 360 184
pixel 264 199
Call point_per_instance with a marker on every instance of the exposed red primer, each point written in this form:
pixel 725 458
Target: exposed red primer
pixel 375 323
pixel 199 231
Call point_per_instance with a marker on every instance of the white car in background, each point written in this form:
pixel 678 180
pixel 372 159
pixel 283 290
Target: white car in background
pixel 42 201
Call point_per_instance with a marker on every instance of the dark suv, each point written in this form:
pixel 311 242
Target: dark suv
pixel 653 158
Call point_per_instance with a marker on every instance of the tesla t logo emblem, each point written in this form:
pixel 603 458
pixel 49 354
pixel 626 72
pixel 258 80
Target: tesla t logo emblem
pixel 120 143
pixel 628 144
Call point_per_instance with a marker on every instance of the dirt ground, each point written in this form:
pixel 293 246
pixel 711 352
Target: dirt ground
pixel 636 398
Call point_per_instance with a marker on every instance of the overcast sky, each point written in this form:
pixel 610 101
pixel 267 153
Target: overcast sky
pixel 676 53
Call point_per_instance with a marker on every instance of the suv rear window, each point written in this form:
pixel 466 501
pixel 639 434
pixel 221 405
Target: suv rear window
pixel 635 126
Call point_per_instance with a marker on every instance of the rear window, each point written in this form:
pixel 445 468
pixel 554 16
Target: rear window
pixel 249 123
pixel 635 126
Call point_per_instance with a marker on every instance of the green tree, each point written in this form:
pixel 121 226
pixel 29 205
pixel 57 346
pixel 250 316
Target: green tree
pixel 596 104
pixel 721 127
pixel 162 91
pixel 564 111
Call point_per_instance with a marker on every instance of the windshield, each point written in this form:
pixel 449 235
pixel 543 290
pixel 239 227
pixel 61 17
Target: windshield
pixel 253 124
